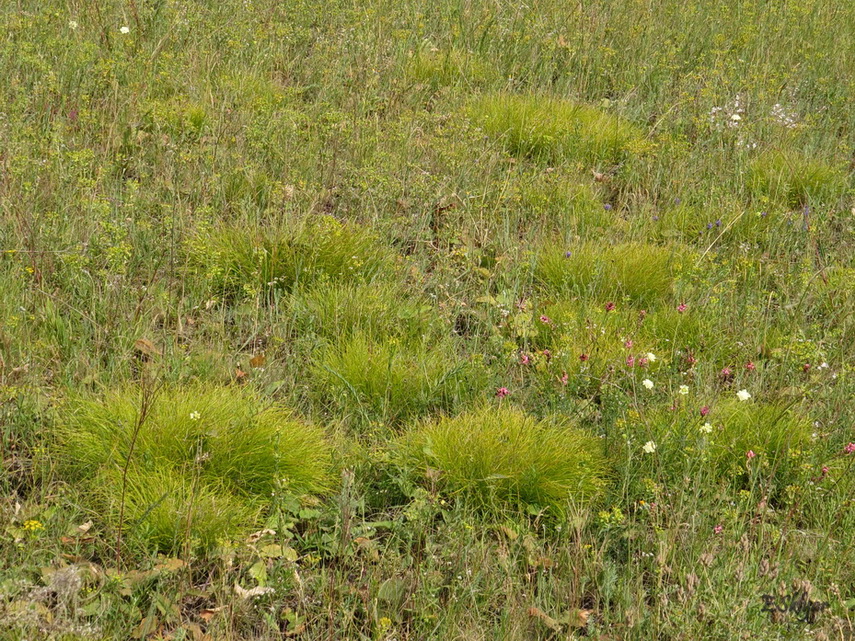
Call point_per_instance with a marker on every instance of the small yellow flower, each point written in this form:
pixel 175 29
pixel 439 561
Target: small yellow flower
pixel 33 525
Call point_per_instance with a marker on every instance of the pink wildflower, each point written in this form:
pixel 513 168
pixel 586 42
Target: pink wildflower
pixel 628 344
pixel 610 306
pixel 583 357
pixel 849 449
pixel 630 360
pixel 750 454
pixel 705 410
pixel 545 319
pixel 525 359
pixel 642 362
pixel 564 378
pixel 718 529
pixel 502 392
pixel 750 366
pixel 682 307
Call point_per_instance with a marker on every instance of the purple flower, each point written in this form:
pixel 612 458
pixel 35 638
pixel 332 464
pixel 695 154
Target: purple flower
pixel 607 206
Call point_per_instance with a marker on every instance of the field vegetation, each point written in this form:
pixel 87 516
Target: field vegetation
pixel 402 320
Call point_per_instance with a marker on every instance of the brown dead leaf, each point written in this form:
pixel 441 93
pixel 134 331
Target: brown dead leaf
pixel 85 527
pixel 170 565
pixel 579 618
pixel 296 631
pixel 258 360
pixel 146 349
pixel 240 375
pixel 208 613
pixel 255 536
pixel 548 621
pixel 253 592
pixel 508 532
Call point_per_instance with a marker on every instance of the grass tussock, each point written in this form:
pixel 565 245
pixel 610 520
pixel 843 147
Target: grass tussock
pixel 375 310
pixel 642 273
pixel 555 129
pixel 794 179
pixel 219 451
pixel 500 457
pixel 439 68
pixel 774 432
pixel 390 381
pixel 249 262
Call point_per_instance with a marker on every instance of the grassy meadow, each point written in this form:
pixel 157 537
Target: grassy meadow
pixel 405 319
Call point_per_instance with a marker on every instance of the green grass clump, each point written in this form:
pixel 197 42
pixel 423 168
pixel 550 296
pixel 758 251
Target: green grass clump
pixel 219 451
pixel 715 448
pixel 563 202
pixel 501 457
pixel 392 380
pixel 438 68
pixel 248 262
pixel 643 273
pixel 794 179
pixel 375 310
pixel 555 129
pixel 167 511
pixel 772 431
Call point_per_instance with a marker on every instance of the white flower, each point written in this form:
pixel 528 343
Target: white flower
pixel 72 24
pixel 195 416
pixel 647 383
pixel 736 117
pixel 684 389
pixel 651 357
pixel 649 447
pixel 743 395
pixel 125 30
pixel 706 428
